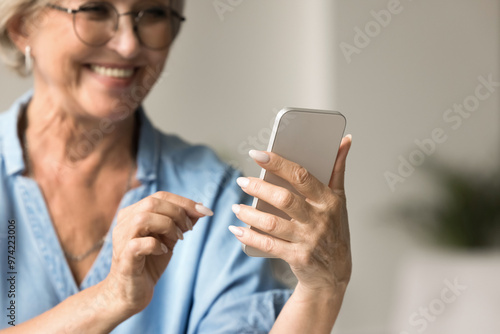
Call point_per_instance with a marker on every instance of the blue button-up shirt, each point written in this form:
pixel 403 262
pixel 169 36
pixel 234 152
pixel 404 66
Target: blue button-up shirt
pixel 209 286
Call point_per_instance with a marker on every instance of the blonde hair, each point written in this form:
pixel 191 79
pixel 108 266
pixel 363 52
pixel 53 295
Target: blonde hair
pixel 10 10
pixel 31 11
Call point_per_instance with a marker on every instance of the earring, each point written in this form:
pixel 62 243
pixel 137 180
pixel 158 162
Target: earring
pixel 28 62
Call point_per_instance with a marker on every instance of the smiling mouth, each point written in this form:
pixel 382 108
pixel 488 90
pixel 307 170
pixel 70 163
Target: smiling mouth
pixel 122 73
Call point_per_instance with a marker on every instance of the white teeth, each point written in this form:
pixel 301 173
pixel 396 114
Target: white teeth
pixel 112 72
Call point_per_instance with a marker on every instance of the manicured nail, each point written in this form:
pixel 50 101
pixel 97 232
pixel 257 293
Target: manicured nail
pixel 236 208
pixel 164 248
pixel 242 181
pixel 349 136
pixel 179 234
pixel 259 156
pixel 237 231
pixel 189 224
pixel 203 210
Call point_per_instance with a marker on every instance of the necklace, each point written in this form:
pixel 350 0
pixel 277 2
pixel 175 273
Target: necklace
pixel 100 242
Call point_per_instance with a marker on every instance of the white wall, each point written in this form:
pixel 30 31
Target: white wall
pixel 227 78
pixel 394 92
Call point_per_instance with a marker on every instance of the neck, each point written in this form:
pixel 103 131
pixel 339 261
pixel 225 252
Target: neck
pixel 64 143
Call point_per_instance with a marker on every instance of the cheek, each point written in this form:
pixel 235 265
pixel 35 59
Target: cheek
pixel 156 65
pixel 151 74
pixel 57 52
pixel 59 68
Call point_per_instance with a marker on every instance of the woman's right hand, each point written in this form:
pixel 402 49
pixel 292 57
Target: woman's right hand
pixel 138 262
pixel 143 240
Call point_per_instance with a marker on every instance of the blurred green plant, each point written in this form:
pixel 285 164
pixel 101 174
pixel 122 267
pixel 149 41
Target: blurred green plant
pixel 467 213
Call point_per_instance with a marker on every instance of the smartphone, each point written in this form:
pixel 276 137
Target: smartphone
pixel 308 137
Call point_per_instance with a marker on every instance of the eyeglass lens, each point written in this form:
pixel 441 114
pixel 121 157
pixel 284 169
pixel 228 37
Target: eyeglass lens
pixel 95 24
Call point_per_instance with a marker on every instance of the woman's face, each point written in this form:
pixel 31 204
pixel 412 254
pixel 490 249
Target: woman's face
pixel 106 81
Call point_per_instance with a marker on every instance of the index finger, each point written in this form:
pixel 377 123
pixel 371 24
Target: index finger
pixel 299 177
pixel 181 209
pixel 192 208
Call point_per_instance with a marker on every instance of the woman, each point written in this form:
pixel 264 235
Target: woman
pixel 95 198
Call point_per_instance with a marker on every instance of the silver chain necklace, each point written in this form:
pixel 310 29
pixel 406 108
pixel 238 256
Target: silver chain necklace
pixel 100 242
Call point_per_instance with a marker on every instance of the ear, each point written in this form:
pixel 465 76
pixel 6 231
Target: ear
pixel 18 33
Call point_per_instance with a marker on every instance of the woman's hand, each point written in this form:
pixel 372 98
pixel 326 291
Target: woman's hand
pixel 315 242
pixel 143 240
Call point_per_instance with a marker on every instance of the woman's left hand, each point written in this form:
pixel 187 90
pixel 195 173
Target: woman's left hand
pixel 315 242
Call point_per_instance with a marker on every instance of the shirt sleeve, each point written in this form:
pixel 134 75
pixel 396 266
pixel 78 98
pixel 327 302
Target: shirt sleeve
pixel 234 293
pixel 253 313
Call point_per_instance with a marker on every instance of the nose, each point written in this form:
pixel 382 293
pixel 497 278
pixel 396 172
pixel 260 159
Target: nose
pixel 125 41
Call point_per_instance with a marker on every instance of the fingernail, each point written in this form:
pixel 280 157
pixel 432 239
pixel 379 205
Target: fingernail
pixel 237 231
pixel 203 210
pixel 242 181
pixel 189 224
pixel 349 136
pixel 179 234
pixel 259 156
pixel 164 248
pixel 236 208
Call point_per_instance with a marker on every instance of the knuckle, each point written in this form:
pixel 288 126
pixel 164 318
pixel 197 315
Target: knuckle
pixel 270 223
pixel 150 243
pixel 284 199
pixel 133 246
pixel 141 220
pixel 169 223
pixel 335 210
pixel 179 212
pixel 162 195
pixel 304 258
pixel 148 204
pixel 331 205
pixel 268 244
pixel 300 175
pixel 335 201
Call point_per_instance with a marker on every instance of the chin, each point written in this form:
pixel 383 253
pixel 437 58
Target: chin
pixel 114 106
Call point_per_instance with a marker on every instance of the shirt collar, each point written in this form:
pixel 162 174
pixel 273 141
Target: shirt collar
pixel 148 152
pixel 11 146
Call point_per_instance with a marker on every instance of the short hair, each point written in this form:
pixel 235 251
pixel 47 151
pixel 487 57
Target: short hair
pixel 11 9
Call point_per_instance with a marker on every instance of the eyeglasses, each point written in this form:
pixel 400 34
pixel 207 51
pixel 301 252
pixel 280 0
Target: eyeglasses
pixel 95 23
